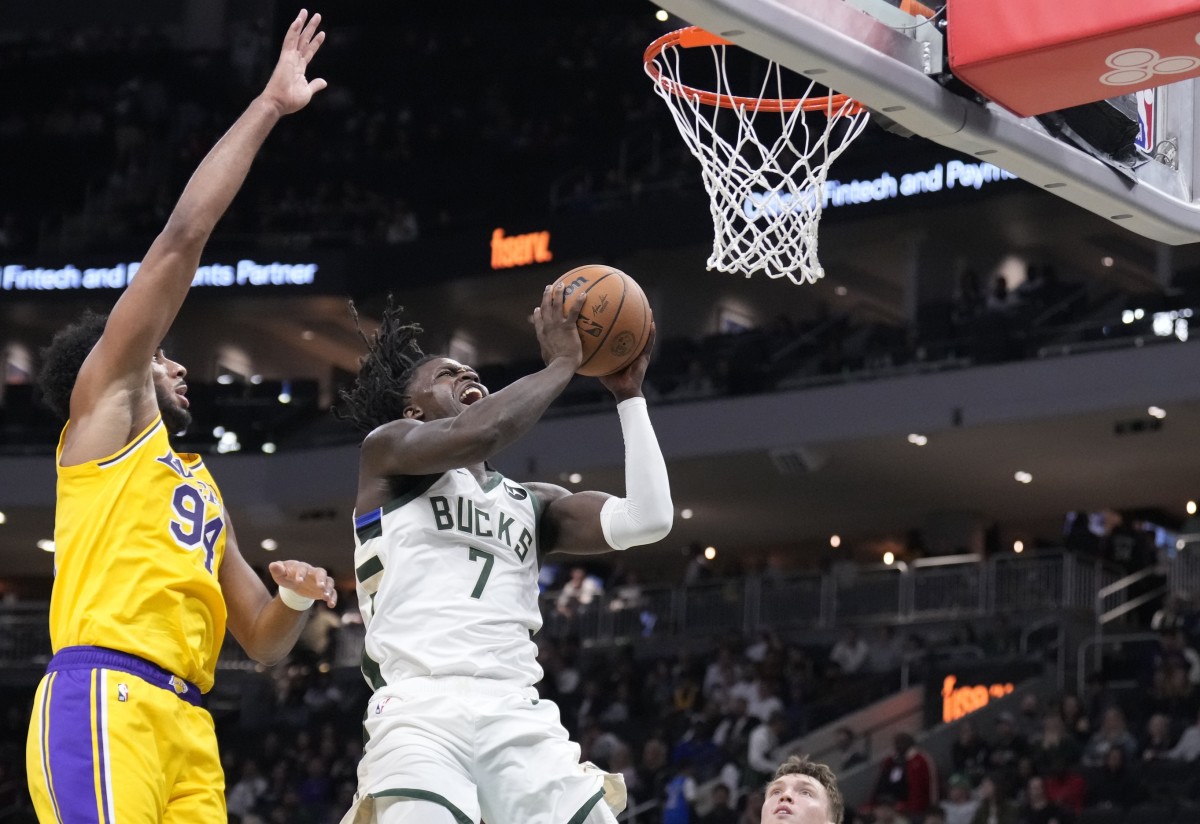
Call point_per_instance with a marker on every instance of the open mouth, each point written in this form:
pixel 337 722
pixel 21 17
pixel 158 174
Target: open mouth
pixel 181 391
pixel 471 394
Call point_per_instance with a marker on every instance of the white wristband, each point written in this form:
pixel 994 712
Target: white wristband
pixel 294 600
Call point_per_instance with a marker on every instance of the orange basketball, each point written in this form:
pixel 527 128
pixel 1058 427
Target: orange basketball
pixel 615 320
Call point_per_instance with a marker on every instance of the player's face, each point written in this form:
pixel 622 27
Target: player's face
pixel 171 392
pixel 796 799
pixel 442 388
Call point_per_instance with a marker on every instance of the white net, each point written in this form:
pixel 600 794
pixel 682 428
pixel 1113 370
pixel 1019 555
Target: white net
pixel 764 160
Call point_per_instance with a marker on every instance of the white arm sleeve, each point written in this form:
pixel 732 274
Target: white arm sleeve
pixel 645 514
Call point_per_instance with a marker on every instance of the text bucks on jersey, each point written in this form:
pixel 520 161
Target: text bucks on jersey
pixel 447 581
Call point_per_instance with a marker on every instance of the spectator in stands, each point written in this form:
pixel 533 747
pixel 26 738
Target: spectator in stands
pixel 849 749
pixel 578 592
pixel 1029 717
pixel 885 652
pixel 908 775
pixel 1007 747
pixel 720 812
pixel 1115 785
pixel 1075 720
pixel 1065 785
pixel 1112 733
pixel 1038 809
pixel 733 730
pixel 959 806
pixel 849 652
pixel 653 772
pixel 1188 748
pixel 243 796
pixel 1158 741
pixel 936 815
pixel 969 753
pixel 1170 616
pixel 752 809
pixel 1055 743
pixel 765 701
pixel 679 796
pixel 720 675
pixel 763 741
pixel 995 807
pixel 887 811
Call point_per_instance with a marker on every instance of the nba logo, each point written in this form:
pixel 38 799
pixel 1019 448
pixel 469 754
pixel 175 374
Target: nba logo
pixel 122 692
pixel 1147 111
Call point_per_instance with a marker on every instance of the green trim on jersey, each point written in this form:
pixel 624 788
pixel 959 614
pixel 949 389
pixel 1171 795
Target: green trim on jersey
pixel 421 485
pixel 586 808
pixel 370 670
pixel 494 478
pixel 425 795
pixel 371 566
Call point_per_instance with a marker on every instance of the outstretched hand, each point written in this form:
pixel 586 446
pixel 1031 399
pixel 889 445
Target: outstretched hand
pixel 289 89
pixel 304 579
pixel 628 382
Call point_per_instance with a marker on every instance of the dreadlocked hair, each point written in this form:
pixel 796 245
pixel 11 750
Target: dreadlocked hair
pixel 62 359
pixel 380 393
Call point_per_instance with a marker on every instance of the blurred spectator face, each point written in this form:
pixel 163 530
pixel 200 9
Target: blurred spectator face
pixel 720 797
pixel 1052 727
pixel 934 816
pixel 654 754
pixel 885 812
pixel 1114 759
pixel 1159 726
pixel 1114 721
pixel 1037 791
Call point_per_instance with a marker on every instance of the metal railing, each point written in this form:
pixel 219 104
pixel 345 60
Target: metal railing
pixel 927 590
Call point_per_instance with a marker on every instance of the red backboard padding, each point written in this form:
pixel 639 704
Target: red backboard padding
pixel 1035 56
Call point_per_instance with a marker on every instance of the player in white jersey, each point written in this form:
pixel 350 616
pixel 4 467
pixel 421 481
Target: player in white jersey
pixel 446 558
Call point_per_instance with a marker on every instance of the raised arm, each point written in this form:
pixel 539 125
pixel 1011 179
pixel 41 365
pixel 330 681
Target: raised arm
pixel 414 446
pixel 592 522
pixel 118 367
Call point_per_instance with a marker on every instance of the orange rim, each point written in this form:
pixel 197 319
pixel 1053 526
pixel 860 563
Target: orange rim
pixel 693 36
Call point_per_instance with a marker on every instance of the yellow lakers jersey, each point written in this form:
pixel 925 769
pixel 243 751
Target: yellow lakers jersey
pixel 139 537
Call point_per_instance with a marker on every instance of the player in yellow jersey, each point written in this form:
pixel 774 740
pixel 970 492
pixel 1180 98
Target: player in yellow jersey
pixel 147 570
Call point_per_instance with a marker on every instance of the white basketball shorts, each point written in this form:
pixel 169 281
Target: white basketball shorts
pixel 479 748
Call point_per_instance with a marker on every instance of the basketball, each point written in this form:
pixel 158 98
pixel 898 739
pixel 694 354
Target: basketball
pixel 615 320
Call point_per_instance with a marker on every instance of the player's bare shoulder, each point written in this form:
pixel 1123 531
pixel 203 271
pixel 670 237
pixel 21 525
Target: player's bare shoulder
pixel 546 493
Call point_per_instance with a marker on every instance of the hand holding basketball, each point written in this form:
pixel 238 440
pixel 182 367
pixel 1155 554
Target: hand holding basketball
pixel 627 383
pixel 614 320
pixel 555 322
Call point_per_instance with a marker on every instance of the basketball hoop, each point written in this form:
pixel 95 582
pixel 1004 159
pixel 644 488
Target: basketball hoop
pixel 767 191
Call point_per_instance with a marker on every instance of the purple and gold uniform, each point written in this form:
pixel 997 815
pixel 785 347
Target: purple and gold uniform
pixel 136 623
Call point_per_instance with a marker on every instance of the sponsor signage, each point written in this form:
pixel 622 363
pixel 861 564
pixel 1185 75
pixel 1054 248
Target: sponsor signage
pixel 953 175
pixel 235 275
pixel 520 250
pixel 958 701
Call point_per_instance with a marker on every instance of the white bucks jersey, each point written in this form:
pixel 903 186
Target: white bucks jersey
pixel 447 580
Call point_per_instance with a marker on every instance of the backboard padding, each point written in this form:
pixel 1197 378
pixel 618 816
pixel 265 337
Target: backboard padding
pixel 851 52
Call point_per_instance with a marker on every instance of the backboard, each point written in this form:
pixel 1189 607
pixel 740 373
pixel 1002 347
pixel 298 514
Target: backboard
pixel 888 59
